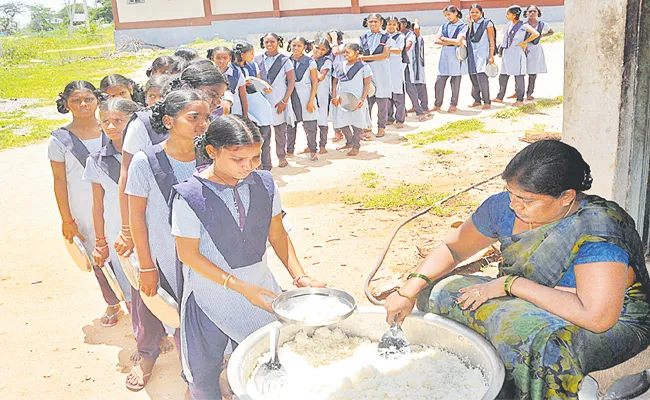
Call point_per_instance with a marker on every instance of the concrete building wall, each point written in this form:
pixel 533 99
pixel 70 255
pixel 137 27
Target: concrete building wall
pixel 301 4
pixel 238 7
pixel 593 80
pixel 364 3
pixel 158 10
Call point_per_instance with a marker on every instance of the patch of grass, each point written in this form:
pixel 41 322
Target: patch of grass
pixel 530 108
pixel 438 152
pixel 450 130
pixel 18 129
pixel 539 127
pixel 556 37
pixel 370 179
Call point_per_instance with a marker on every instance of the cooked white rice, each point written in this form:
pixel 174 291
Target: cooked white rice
pixel 332 366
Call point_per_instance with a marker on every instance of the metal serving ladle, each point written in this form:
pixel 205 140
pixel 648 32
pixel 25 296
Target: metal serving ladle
pixel 393 343
pixel 270 376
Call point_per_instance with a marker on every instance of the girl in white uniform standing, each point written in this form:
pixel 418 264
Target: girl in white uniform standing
pixel 450 36
pixel 234 100
pixel 480 52
pixel 323 59
pixel 277 70
pixel 222 218
pixel 260 110
pixel 303 98
pixel 153 89
pixel 103 172
pixel 68 152
pixel 116 85
pixel 513 58
pixel 354 77
pixel 376 45
pixel 398 60
pixel 418 70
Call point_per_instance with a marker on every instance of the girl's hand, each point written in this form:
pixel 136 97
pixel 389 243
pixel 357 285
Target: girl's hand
pixel 71 230
pixel 396 304
pixel 476 295
pixel 311 107
pixel 123 245
pixel 280 107
pixel 361 103
pixel 523 46
pixel 268 90
pixel 149 282
pixel 336 101
pixel 257 295
pixel 100 253
pixel 249 83
pixel 491 60
pixel 306 281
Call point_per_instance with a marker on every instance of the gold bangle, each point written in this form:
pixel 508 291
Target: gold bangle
pixel 225 283
pixel 406 296
pixel 512 282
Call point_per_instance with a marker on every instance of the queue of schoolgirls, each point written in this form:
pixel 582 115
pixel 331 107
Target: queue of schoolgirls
pixel 176 172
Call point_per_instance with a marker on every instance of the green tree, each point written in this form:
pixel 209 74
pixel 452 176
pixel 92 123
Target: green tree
pixel 104 12
pixel 42 18
pixel 8 14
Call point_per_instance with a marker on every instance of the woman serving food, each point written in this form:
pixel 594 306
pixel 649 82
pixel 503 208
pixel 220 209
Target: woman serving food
pixel 571 295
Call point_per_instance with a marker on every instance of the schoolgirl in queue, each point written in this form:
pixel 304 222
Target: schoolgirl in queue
pixel 322 56
pixel 277 70
pixel 398 60
pixel 353 77
pixel 303 97
pixel 103 172
pixel 153 89
pixel 335 39
pixel 234 100
pixel 513 58
pixel 260 110
pixel 450 36
pixel 376 45
pixel 184 114
pixel 222 218
pixel 418 69
pixel 68 151
pixel 164 65
pixel 409 84
pixel 481 35
pixel 116 85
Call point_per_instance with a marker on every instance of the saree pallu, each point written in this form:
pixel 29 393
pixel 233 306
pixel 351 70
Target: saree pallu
pixel 545 356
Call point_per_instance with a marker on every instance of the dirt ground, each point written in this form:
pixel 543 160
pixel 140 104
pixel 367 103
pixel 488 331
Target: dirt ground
pixel 51 342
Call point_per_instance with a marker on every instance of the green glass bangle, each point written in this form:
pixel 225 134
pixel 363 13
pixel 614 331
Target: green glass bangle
pixel 506 283
pixel 418 275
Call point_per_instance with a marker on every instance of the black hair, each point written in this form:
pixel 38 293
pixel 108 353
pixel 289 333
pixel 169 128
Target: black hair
pixel 186 53
pixel 353 46
pixel 516 10
pixel 199 61
pixel 323 42
pixel 211 52
pixel 453 9
pixel 172 105
pixel 307 43
pixel 156 82
pixel 113 80
pixel 280 39
pixel 339 35
pixel 226 132
pixel 195 76
pixel 122 105
pixel 162 62
pixel 62 99
pixel 549 167
pixel 478 7
pixel 405 20
pixel 539 12
pixel 239 49
pixel 392 18
pixel 374 15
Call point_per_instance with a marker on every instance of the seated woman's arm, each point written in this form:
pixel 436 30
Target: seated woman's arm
pixel 597 304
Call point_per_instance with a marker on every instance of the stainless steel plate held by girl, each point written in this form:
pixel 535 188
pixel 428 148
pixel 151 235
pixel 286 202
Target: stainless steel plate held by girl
pixel 314 306
pixel 79 254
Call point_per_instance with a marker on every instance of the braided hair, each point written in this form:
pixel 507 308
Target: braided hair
pixel 115 80
pixel 173 104
pixel 62 98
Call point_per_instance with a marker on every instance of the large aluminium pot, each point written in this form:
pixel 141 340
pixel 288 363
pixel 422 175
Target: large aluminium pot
pixel 420 328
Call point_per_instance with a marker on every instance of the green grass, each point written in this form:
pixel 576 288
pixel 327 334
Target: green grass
pixel 370 179
pixel 448 131
pixel 529 108
pixel 539 127
pixel 438 152
pixel 556 37
pixel 18 129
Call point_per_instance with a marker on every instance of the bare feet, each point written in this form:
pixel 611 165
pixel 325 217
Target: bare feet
pixel 353 152
pixel 530 98
pixel 347 146
pixel 290 154
pixel 137 379
pixel 486 106
pixel 322 150
pixel 390 123
pixel 283 163
pixel 513 96
pixel 305 151
pixel 313 157
pixel 518 103
pixel 452 109
pixel 434 109
pixel 166 345
pixel 399 125
pixel 111 316
pixel 497 100
pixel 381 132
pixel 474 104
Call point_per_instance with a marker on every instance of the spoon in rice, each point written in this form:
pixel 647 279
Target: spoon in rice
pixel 393 342
pixel 269 377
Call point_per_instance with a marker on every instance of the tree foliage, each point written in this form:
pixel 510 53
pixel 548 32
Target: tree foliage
pixel 8 14
pixel 104 12
pixel 42 18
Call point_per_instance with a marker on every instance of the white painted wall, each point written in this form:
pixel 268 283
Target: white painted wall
pixel 242 6
pixel 384 2
pixel 302 4
pixel 593 77
pixel 156 10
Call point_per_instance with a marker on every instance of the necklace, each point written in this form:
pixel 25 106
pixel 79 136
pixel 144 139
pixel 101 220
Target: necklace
pixel 530 224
